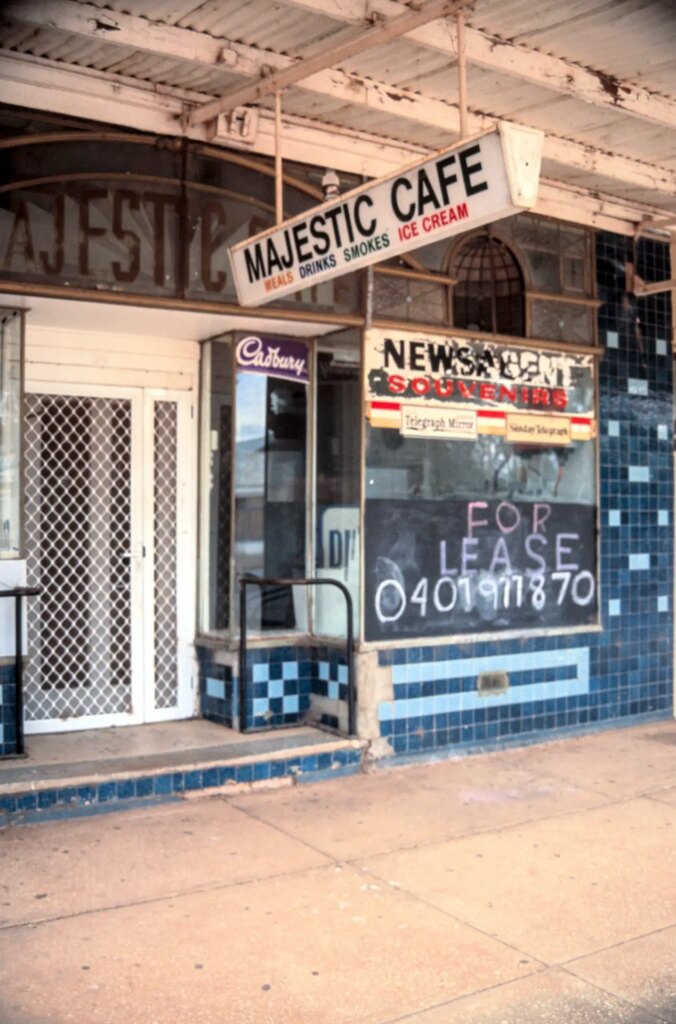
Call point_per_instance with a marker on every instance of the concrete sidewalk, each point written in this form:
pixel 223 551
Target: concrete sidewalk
pixel 526 887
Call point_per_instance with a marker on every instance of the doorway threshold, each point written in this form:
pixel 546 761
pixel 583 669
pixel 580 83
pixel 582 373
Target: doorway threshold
pixel 108 769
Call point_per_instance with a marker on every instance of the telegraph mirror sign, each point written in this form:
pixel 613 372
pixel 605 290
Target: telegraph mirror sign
pixel 479 180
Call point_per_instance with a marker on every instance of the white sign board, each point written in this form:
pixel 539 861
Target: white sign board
pixel 460 188
pixel 12 574
pixel 339 560
pixel 433 422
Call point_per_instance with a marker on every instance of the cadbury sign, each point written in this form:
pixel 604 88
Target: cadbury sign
pixel 273 357
pixel 480 180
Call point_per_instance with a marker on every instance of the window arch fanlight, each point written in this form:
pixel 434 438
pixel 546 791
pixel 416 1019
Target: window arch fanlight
pixel 489 293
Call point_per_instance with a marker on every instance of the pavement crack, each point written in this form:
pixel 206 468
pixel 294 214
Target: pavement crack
pixel 617 945
pixel 454 917
pixel 163 898
pixel 645 1010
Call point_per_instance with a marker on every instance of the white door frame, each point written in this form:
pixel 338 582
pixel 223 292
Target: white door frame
pixel 141 611
pixel 186 547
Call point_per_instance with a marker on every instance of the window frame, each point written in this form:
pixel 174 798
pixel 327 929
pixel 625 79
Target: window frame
pixel 229 634
pixel 417 271
pixel 490 234
pixel 406 642
pixel 9 313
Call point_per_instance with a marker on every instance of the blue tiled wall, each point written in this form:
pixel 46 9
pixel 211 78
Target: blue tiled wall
pixel 282 682
pixel 329 689
pixel 7 711
pixel 279 686
pixel 218 691
pixel 626 670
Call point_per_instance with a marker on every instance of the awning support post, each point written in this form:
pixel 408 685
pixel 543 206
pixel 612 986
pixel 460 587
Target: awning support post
pixel 462 73
pixel 279 203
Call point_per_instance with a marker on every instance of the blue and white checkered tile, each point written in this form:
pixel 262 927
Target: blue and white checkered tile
pixel 623 671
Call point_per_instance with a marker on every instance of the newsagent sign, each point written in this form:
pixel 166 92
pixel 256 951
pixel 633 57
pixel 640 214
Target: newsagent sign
pixel 483 179
pixel 490 557
pixel 453 387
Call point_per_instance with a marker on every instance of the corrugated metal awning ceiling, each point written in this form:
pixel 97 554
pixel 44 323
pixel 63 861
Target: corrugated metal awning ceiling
pixel 599 76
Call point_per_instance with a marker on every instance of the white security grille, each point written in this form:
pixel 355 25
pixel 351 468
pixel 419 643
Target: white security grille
pixel 78 538
pixel 164 533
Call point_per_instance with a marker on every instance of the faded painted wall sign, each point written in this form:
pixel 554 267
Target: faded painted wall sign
pixel 474 182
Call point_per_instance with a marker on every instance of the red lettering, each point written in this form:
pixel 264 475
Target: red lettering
pixel 420 385
pixel 432 222
pixel 443 388
pixel 464 390
pixel 396 384
pixel 487 392
pixel 407 231
pixel 541 396
pixel 559 398
pixel 278 281
pixel 507 394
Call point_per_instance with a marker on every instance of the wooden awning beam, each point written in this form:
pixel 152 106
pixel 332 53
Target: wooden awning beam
pixel 355 42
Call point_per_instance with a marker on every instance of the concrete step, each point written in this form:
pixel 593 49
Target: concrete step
pixel 31 792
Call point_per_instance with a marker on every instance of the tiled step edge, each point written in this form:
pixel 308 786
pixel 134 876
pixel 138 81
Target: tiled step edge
pixel 31 801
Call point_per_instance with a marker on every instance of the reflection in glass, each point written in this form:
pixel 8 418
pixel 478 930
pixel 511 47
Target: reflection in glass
pixel 337 480
pixel 216 527
pixel 270 496
pixel 489 466
pixel 10 433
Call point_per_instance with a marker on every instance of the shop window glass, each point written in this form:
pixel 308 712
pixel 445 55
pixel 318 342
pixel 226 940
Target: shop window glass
pixel 562 321
pixel 479 487
pixel 10 433
pixel 488 294
pixel 270 496
pixel 558 256
pixel 409 300
pixel 254 464
pixel 215 513
pixel 337 479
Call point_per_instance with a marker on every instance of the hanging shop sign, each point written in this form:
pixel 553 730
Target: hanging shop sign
pixel 273 357
pixel 445 386
pixel 472 183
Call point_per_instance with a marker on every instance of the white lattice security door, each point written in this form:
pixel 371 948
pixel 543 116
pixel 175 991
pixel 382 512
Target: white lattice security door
pixel 104 511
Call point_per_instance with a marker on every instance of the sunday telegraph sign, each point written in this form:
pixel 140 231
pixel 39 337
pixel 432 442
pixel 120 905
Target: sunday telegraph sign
pixel 472 183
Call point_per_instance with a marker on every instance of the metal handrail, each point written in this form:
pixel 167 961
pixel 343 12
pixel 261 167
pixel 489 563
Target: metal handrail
pixel 246 581
pixel 18 593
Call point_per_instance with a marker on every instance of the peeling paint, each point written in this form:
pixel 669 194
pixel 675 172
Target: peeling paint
pixel 375 685
pixel 104 26
pixel 609 83
pixel 399 98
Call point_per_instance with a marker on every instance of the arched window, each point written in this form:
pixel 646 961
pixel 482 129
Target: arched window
pixel 489 290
